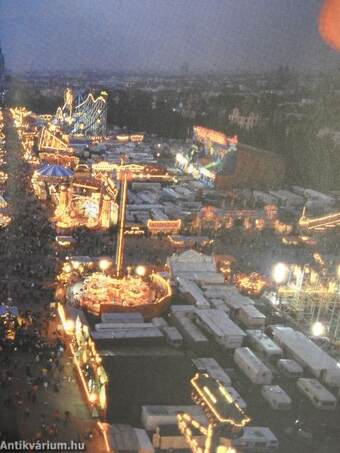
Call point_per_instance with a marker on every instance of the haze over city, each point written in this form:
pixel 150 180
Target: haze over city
pixel 162 36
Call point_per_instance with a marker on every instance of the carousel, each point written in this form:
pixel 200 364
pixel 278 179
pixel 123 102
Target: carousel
pixel 78 198
pixel 139 290
pixel 86 201
pixel 47 179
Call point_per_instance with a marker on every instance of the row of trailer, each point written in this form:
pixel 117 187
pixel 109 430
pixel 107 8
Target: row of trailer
pixel 309 355
pixel 232 312
pixel 254 352
pixel 292 352
pixel 259 374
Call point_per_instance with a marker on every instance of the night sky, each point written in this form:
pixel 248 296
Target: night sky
pixel 162 35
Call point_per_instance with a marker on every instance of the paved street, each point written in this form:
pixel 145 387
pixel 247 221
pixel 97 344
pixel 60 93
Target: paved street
pixel 40 398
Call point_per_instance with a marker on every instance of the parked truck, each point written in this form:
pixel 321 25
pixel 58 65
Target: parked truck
pixel 252 366
pixel 217 324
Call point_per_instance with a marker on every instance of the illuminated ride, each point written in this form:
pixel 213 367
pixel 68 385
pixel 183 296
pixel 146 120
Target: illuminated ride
pixel 252 284
pixel 326 222
pixel 51 141
pixel 87 201
pixel 82 115
pixel 57 158
pixel 111 288
pixel 226 419
pixel 91 200
pixel 9 321
pixel 212 154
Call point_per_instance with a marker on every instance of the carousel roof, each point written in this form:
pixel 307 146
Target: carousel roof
pixel 8 310
pixel 55 171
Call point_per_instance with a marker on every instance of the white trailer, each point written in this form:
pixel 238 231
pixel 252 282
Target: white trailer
pixel 315 195
pixel 155 186
pixel 159 322
pixel 316 207
pixel 251 317
pixel 191 333
pixel 136 335
pixel 148 197
pixel 317 394
pixel 172 336
pixel 263 344
pixel 308 354
pixel 254 440
pixel 210 278
pixel 153 416
pixel 210 366
pixel 252 366
pixel 215 292
pixel 288 199
pixel 264 197
pixel 185 193
pixel 219 304
pixel 217 323
pixel 235 300
pixel 182 309
pixel 276 397
pixel 122 317
pixel 192 293
pixel 290 368
pixel 126 438
pixel 168 437
pixel 104 326
pixel 143 207
pixel 167 193
pixel 158 214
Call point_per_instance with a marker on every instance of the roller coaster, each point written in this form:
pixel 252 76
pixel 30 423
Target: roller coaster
pixel 82 115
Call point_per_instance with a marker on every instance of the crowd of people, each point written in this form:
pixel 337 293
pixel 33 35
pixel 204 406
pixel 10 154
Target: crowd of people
pixel 35 367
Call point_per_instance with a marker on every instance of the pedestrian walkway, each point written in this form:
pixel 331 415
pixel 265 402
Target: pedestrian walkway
pixel 40 397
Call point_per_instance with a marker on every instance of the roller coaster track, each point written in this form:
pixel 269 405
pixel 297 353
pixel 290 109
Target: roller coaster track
pixel 88 117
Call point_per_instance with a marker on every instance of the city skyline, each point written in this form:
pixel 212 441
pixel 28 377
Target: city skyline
pixel 149 36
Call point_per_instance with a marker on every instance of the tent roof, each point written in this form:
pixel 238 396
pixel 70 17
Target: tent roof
pixel 57 171
pixel 11 310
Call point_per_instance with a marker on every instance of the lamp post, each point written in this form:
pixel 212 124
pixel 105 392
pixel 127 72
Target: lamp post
pixel 280 275
pixel 318 329
pixel 140 271
pixel 104 264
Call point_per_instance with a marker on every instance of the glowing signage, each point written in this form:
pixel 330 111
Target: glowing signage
pixel 164 226
pixel 204 134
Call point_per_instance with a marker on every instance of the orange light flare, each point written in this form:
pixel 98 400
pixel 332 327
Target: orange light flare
pixel 329 23
pixel 251 284
pixel 103 429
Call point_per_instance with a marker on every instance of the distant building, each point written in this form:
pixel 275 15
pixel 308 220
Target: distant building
pixel 244 121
